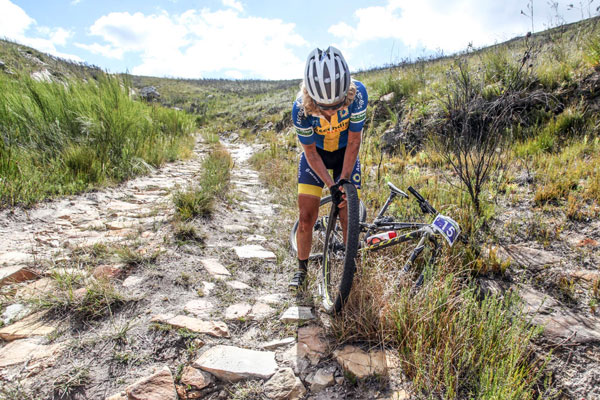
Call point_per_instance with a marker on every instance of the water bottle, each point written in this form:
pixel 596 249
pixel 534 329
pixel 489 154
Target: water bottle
pixel 380 237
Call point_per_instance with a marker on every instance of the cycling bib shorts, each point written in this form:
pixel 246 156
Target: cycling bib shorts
pixel 310 183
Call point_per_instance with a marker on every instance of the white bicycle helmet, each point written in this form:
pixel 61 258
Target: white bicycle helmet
pixel 326 76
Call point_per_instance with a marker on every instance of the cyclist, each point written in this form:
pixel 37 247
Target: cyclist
pixel 328 115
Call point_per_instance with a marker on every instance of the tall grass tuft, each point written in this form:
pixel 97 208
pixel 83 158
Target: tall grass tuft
pixel 452 344
pixel 199 201
pixel 66 137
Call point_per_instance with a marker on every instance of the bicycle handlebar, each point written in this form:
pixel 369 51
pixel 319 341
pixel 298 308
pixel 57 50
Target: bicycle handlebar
pixel 424 204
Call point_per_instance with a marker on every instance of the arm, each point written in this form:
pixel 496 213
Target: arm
pixel 316 163
pixel 351 154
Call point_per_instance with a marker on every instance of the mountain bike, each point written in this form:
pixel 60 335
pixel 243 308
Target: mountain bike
pixel 336 257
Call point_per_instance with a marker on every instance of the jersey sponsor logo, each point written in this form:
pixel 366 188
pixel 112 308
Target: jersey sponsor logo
pixel 304 131
pixel 334 130
pixel 309 171
pixel 356 178
pixel 344 113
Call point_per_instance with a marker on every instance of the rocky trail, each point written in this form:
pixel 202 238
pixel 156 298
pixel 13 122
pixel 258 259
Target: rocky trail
pixel 210 316
pixel 205 318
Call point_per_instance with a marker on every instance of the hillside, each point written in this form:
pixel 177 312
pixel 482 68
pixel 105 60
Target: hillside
pixel 171 249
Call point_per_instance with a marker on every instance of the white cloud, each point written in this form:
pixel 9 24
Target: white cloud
pixel 75 2
pixel 439 24
pixel 234 74
pixel 13 20
pixel 106 50
pixel 234 4
pixel 197 42
pixel 15 24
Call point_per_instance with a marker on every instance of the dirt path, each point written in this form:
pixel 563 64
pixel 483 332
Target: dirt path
pixel 219 303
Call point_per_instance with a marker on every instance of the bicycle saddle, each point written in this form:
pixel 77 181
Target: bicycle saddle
pixel 394 189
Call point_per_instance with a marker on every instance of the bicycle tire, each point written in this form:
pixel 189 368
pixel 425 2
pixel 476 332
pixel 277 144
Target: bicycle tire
pixel 324 201
pixel 338 262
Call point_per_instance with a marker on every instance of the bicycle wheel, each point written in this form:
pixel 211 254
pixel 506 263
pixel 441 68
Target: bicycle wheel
pixel 320 226
pixel 338 261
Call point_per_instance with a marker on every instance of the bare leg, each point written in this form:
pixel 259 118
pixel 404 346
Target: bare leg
pixel 309 211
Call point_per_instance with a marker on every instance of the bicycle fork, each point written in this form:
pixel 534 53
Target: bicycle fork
pixel 417 252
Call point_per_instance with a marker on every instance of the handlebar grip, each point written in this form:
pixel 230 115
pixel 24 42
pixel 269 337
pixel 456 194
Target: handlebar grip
pixel 414 192
pixel 425 206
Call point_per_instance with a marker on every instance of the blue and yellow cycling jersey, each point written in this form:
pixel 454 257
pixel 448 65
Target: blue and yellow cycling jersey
pixel 331 136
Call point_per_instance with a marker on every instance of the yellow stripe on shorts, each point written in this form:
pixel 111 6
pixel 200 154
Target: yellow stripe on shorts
pixel 312 190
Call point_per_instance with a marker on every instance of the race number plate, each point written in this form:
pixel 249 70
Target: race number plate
pixel 447 227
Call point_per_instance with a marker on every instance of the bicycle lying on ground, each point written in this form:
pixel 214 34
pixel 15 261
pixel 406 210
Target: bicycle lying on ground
pixel 336 258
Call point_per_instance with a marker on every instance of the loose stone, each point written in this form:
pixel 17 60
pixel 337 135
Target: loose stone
pixel 237 311
pixel 196 378
pixel 30 326
pixel 233 364
pixel 23 350
pixel 159 386
pixel 297 314
pixel 237 285
pixel 235 228
pixel 217 329
pixel 261 311
pixel 15 257
pixel 132 281
pixel 254 251
pixel 321 379
pixel 200 307
pixel 284 385
pixel 15 274
pixel 274 344
pixel 310 342
pixel 359 363
pixel 215 268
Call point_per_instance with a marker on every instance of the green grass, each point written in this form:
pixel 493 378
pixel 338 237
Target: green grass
pixel 66 137
pixel 199 201
pixel 80 298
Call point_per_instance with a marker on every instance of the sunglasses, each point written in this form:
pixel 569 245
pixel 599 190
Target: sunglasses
pixel 331 107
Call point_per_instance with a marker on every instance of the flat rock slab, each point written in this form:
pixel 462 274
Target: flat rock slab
pixel 261 311
pixel 15 274
pixel 255 251
pixel 237 285
pixel 237 311
pixel 233 364
pixel 158 386
pixel 527 256
pixel 15 257
pixel 27 327
pixel 284 385
pixel 272 298
pixel 36 289
pixel 215 268
pixel 196 378
pixel 311 343
pixel 275 344
pixel 235 228
pixel 132 281
pixel 200 307
pixel 297 314
pixel 217 329
pixel 19 351
pixel 557 320
pixel 360 363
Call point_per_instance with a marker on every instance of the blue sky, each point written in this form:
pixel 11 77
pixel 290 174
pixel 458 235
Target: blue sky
pixel 266 39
